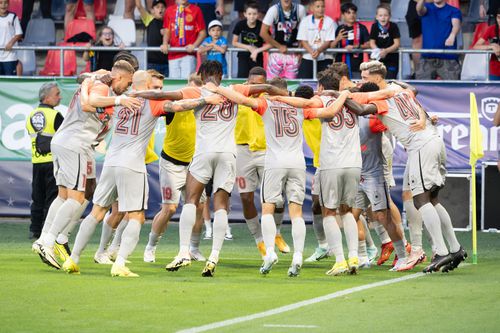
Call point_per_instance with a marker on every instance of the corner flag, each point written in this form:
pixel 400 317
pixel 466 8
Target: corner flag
pixel 476 152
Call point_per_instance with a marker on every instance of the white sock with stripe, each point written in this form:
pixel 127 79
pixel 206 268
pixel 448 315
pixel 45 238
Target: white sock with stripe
pixel 268 231
pixel 186 223
pixel 219 232
pixel 129 241
pixel 333 237
pixel 87 229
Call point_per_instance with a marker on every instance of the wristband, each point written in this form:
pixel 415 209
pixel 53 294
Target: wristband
pixel 118 99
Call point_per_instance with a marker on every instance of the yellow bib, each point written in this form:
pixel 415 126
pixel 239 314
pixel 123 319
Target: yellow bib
pixel 249 129
pixel 180 139
pixel 312 134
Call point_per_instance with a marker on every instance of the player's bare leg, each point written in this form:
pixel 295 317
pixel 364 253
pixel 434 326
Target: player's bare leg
pixel 158 228
pixel 194 190
pixel 321 251
pixel 252 220
pixel 269 235
pixel 299 237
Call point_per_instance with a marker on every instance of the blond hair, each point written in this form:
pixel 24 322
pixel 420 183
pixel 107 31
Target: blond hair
pixel 374 67
pixel 195 79
pixel 123 66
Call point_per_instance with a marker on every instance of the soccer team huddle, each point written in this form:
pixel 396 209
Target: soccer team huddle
pixel 250 134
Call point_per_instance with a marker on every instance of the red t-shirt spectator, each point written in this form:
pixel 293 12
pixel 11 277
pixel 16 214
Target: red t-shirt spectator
pixel 490 35
pixel 193 24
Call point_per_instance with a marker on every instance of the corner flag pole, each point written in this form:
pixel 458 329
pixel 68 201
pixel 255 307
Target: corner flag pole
pixel 476 152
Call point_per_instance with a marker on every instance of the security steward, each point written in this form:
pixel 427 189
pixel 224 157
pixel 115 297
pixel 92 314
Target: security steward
pixel 42 124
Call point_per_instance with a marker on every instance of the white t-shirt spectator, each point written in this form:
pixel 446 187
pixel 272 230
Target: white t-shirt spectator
pixel 272 16
pixel 9 27
pixel 309 31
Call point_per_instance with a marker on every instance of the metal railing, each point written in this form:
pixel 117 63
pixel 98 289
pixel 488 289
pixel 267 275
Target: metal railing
pixel 231 50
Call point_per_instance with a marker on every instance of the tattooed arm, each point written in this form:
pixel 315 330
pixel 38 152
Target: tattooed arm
pixel 157 94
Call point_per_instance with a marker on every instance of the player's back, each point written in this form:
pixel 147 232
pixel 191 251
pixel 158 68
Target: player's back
pixel 283 129
pixel 131 135
pixel 80 130
pixel 371 147
pixel 340 145
pixel 403 111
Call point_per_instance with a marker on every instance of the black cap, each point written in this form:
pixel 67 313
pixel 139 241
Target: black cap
pixel 155 2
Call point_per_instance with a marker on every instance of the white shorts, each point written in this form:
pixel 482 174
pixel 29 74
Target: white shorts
pixel 374 192
pixel 315 183
pixel 426 167
pixel 249 168
pixel 221 167
pixel 91 167
pixel 128 185
pixel 71 169
pixel 173 182
pixel 388 153
pixel 277 181
pixel 338 186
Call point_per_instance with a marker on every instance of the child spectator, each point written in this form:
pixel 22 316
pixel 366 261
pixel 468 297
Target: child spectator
pixel 351 35
pixel 492 35
pixel 316 32
pixel 246 35
pixel 154 29
pixel 284 18
pixel 440 27
pixel 102 59
pixel 184 27
pixel 10 33
pixel 385 38
pixel 215 45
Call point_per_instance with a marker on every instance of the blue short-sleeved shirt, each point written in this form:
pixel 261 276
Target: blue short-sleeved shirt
pixel 436 27
pixel 214 55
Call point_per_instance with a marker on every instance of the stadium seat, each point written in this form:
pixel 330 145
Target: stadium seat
pixel 100 10
pixel 77 26
pixel 398 10
pixel 28 59
pixel 475 67
pixel 366 8
pixel 16 6
pixel 332 9
pixel 40 32
pixel 52 62
pixel 58 9
pixel 454 3
pixel 120 9
pixel 478 32
pixel 125 29
pixel 405 39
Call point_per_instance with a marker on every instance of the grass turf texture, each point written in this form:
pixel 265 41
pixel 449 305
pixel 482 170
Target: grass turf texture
pixel 36 298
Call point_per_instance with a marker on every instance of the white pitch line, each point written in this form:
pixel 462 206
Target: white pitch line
pixel 298 305
pixel 290 326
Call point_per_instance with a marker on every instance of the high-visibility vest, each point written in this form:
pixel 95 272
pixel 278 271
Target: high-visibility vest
pixel 41 120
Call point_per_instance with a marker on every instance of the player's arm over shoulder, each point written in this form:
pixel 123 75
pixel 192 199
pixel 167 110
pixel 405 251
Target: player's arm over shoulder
pixel 237 97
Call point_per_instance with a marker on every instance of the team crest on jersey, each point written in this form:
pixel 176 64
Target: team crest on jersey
pixel 189 18
pixel 489 107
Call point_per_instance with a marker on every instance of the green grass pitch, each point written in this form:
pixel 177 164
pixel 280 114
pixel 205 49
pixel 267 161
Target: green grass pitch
pixel 36 298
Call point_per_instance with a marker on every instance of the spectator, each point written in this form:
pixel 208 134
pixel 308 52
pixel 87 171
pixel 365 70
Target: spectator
pixel 263 6
pixel 440 26
pixel 351 35
pixel 211 9
pixel 154 29
pixel 385 38
pixel 88 6
pixel 10 34
pixel 181 32
pixel 45 8
pixel 246 35
pixel 128 11
pixel 493 6
pixel 284 18
pixel 102 59
pixel 491 36
pixel 316 32
pixel 214 47
pixel 41 125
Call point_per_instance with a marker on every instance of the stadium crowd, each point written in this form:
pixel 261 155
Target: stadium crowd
pixel 198 28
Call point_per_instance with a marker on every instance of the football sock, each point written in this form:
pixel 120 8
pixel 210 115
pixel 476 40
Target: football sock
pixel 195 239
pixel 87 228
pixel 106 234
pixel 117 239
pixel 351 234
pixel 399 248
pixel 447 228
pixel 381 233
pixel 186 223
pixel 319 232
pixel 278 219
pixel 368 235
pixel 208 226
pixel 433 225
pixel 333 237
pixel 254 228
pixel 54 207
pixel 268 231
pixel 61 220
pixel 298 235
pixel 414 224
pixel 362 249
pixel 152 240
pixel 63 236
pixel 130 238
pixel 219 231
